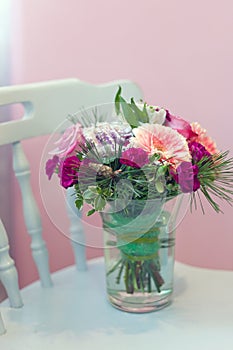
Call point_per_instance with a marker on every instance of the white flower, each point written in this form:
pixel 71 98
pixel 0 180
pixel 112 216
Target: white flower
pixel 157 115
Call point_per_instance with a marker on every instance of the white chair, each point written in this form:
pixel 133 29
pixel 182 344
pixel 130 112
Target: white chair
pixel 74 313
pixel 46 107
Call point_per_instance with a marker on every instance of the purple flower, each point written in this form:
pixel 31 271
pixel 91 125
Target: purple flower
pixel 69 171
pixel 103 138
pixel 134 157
pixel 108 137
pixel 51 165
pixel 198 151
pixel 187 177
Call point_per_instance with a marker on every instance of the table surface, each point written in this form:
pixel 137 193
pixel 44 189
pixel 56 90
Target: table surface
pixel 75 314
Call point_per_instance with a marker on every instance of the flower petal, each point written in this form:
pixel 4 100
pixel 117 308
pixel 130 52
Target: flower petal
pixel 159 139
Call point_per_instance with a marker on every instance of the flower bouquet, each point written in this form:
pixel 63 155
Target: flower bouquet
pixel 131 170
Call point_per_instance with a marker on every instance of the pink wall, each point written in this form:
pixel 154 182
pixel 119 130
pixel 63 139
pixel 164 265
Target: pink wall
pixel 181 54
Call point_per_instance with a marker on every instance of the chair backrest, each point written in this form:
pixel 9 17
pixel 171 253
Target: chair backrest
pixel 46 105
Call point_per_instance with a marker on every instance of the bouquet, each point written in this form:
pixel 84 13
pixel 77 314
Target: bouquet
pixel 157 152
pixel 143 154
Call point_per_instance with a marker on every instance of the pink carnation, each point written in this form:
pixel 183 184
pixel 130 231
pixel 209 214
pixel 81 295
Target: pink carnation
pixel 202 138
pixel 69 171
pixel 186 176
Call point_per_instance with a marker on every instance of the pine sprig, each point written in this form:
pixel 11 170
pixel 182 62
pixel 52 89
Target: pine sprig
pixel 216 179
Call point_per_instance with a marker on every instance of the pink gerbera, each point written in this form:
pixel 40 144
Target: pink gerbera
pixel 162 140
pixel 203 138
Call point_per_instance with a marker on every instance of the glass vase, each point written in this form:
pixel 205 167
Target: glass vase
pixel 139 254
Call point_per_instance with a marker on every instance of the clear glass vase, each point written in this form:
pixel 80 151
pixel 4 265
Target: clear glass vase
pixel 139 254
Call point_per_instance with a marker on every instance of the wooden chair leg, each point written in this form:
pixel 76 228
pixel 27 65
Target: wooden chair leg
pixel 8 272
pixel 77 234
pixel 31 215
pixel 2 327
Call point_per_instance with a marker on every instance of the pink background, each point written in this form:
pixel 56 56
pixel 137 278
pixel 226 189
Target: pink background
pixel 179 52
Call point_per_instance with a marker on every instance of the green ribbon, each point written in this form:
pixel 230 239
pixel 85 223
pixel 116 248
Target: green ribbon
pixel 139 257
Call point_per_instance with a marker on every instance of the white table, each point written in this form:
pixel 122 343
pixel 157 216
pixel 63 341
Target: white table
pixel 75 314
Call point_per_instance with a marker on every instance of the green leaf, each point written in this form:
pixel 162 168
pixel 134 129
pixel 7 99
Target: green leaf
pixel 159 186
pixel 89 195
pixel 90 212
pixel 161 171
pixel 128 113
pixel 93 189
pixel 141 115
pixel 145 110
pixel 155 157
pixel 99 203
pixel 117 101
pixel 79 203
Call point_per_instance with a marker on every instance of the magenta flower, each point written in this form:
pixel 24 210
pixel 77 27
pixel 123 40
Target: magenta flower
pixel 134 157
pixel 180 125
pixel 51 165
pixel 198 151
pixel 187 177
pixel 69 171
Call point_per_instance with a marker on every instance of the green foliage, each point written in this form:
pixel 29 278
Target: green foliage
pixel 90 212
pixel 99 203
pixel 79 203
pixel 132 114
